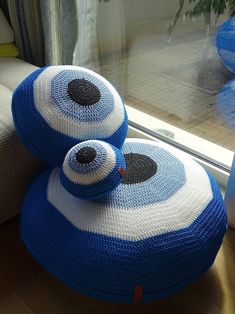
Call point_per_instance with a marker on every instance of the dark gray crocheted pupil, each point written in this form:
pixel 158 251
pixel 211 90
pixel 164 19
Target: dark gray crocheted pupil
pixel 83 92
pixel 139 168
pixel 86 155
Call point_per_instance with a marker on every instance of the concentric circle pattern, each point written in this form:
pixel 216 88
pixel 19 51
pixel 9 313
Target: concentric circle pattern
pixel 57 107
pixel 92 169
pixel 161 173
pixel 158 230
pixel 225 43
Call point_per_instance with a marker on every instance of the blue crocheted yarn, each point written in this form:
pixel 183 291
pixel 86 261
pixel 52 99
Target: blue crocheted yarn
pixel 225 103
pixel 169 179
pixel 92 169
pixel 106 250
pixel 58 107
pixel 225 43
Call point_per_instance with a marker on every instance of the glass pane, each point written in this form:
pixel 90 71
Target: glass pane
pixel 172 61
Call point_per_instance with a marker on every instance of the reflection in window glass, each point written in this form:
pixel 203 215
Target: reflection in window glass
pixel 171 59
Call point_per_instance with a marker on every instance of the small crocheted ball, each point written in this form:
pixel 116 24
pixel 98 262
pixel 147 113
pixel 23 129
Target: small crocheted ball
pixel 225 43
pixel 156 233
pixel 225 103
pixel 92 169
pixel 57 107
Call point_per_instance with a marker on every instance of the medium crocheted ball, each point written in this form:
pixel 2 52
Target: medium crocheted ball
pixel 57 107
pixel 225 103
pixel 92 169
pixel 157 232
pixel 225 43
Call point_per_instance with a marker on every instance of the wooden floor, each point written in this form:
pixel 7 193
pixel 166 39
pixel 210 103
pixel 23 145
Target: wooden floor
pixel 26 288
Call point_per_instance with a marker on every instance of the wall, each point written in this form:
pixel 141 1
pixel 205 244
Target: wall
pixel 138 12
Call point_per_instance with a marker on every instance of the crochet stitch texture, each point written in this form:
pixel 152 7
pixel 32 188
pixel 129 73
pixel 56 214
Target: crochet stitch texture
pixel 57 107
pixel 115 219
pixel 159 231
pixel 91 169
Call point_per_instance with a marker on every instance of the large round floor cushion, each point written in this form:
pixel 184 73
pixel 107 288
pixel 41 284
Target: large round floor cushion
pixel 156 233
pixel 57 107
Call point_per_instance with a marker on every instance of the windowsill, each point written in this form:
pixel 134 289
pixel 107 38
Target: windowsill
pixel 196 144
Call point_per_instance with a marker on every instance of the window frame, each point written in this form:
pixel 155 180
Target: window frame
pixel 230 196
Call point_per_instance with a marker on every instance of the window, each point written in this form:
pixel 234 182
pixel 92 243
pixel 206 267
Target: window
pixel 173 63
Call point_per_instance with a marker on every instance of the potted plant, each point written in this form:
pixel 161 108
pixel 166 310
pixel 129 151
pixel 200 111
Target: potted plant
pixel 205 8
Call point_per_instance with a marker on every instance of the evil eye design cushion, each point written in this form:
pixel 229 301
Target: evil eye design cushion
pixel 225 43
pixel 92 169
pixel 158 231
pixel 225 103
pixel 57 107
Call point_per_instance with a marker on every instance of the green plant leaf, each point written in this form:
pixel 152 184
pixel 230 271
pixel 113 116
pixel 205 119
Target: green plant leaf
pixel 216 6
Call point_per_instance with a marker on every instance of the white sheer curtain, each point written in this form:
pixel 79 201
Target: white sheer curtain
pixel 86 51
pixel 101 39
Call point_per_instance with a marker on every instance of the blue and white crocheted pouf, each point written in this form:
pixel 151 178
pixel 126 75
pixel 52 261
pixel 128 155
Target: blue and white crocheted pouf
pixel 157 232
pixel 92 169
pixel 57 107
pixel 225 43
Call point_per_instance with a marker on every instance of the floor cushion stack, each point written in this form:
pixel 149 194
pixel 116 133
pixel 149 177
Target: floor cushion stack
pixel 151 226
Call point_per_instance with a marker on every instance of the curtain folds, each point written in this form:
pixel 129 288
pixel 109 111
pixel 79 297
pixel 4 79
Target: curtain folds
pixel 86 51
pixel 45 30
pixel 59 23
pixel 25 18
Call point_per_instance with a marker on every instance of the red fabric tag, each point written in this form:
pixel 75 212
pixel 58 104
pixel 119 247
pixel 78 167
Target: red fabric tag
pixel 138 293
pixel 121 171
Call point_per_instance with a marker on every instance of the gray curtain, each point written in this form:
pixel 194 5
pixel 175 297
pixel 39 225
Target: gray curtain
pixel 25 17
pixel 45 30
pixel 3 6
